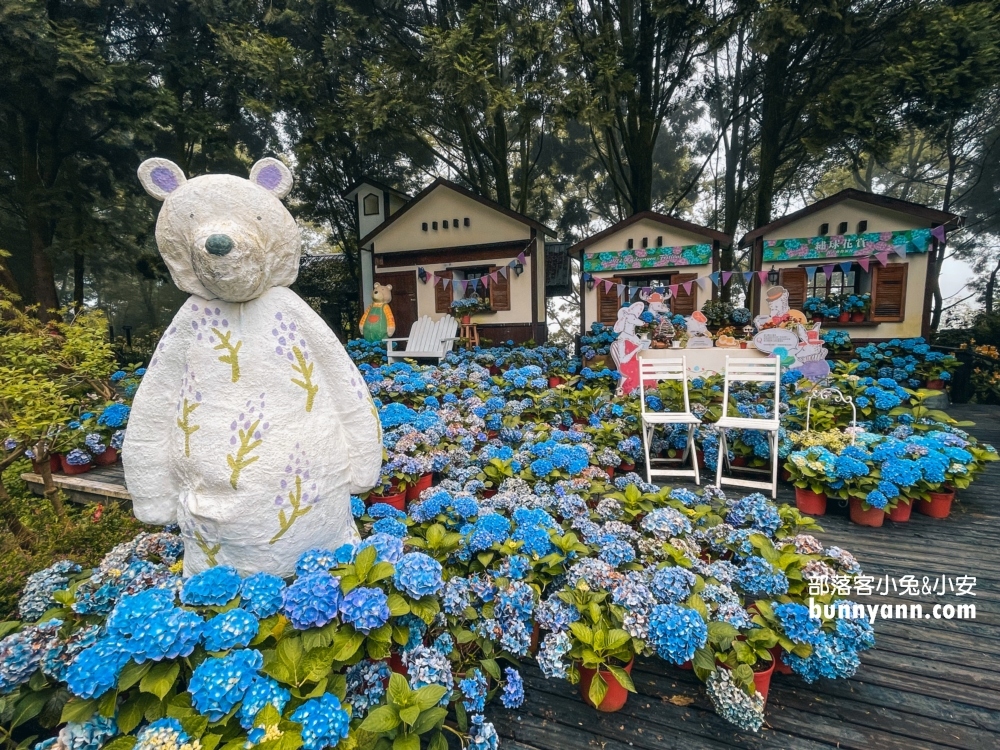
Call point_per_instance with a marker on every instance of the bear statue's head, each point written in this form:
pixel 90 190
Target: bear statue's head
pixel 382 293
pixel 225 237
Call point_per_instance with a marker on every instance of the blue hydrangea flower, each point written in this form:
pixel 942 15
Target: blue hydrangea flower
pixel 160 734
pixel 366 683
pixel 797 623
pixel 365 608
pixel 676 632
pixel 831 657
pixel 237 627
pixel 389 548
pixel 324 722
pixel 220 683
pixel 22 652
pixel 39 588
pixel 671 585
pixel 488 530
pixel 551 652
pixel 114 416
pixel 390 526
pixel 757 576
pixel 473 689
pixel 95 670
pixel 357 506
pixel 213 587
pixel 513 689
pixel 482 735
pixel 263 692
pixel 312 600
pixel 260 594
pixel 428 666
pixel 664 523
pixel 315 560
pixel 418 575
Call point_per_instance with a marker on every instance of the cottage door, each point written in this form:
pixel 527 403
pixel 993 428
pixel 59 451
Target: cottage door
pixel 404 299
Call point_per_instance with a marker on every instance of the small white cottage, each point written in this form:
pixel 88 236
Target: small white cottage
pixel 854 243
pixel 447 242
pixel 646 251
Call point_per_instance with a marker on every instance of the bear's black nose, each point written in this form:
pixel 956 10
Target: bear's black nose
pixel 218 244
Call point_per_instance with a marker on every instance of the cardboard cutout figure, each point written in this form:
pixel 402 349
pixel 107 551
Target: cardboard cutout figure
pixel 378 323
pixel 626 347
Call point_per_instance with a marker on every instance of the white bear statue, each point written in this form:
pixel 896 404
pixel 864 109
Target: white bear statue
pixel 252 426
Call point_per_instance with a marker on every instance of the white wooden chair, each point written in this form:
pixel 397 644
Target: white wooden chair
pixel 657 370
pixel 764 370
pixel 428 339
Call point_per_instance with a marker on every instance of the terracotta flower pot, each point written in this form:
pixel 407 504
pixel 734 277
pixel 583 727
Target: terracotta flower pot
pixel 466 320
pixel 870 517
pixel 624 467
pixel 935 385
pixel 494 370
pixel 610 471
pixel 107 458
pixel 810 502
pixel 939 505
pixel 738 461
pixel 901 513
pixel 779 662
pixel 397 500
pixel 54 465
pixel 616 696
pixel 700 455
pixel 687 666
pixel 857 317
pixel 413 493
pixel 69 468
pixel 844 317
pixel 489 493
pixel 555 381
pixel 743 345
pixel 762 680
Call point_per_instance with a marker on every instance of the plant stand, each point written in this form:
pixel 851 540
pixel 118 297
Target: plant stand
pixel 469 332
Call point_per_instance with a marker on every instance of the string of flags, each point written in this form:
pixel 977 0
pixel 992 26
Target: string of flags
pixel 494 277
pixel 721 278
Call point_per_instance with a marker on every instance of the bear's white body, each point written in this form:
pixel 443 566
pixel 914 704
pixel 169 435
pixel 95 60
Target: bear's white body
pixel 252 426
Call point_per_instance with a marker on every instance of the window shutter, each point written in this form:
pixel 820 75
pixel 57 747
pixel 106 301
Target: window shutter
pixel 795 282
pixel 684 303
pixel 443 296
pixel 499 290
pixel 889 292
pixel 608 303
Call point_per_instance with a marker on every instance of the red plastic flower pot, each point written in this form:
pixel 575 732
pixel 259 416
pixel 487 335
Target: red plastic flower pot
pixel 397 500
pixel 466 320
pixel 762 680
pixel 857 317
pixel 107 458
pixel 555 381
pixel 935 385
pixel 844 317
pixel 870 517
pixel 779 662
pixel 494 370
pixel 901 513
pixel 687 666
pixel 54 465
pixel 489 493
pixel 810 502
pixel 610 470
pixel 616 696
pixel 738 461
pixel 413 493
pixel 69 468
pixel 939 505
pixel 626 467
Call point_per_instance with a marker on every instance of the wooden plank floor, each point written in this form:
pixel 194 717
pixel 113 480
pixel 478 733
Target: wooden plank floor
pixel 927 684
pixel 102 484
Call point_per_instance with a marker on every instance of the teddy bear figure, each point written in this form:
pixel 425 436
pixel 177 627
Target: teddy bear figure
pixel 377 323
pixel 252 426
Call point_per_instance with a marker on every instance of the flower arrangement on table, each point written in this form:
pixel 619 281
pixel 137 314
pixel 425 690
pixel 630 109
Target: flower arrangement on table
pixel 857 305
pixel 740 316
pixel 814 307
pixel 717 312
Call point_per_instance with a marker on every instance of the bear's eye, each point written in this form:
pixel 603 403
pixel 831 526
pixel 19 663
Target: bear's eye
pixel 258 218
pixel 192 216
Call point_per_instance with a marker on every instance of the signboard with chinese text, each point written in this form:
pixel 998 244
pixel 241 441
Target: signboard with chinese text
pixel 847 245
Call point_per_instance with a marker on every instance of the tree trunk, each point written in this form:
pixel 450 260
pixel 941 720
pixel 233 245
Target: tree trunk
pixel 935 269
pixel 772 115
pixel 51 492
pixel 24 536
pixel 41 268
pixel 78 268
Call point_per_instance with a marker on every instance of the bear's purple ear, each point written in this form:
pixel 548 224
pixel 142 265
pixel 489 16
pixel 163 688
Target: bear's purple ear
pixel 273 176
pixel 160 177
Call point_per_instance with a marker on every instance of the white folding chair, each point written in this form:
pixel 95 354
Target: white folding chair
pixel 762 370
pixel 656 370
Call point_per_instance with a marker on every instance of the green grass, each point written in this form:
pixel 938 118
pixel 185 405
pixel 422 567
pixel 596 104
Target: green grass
pixel 84 536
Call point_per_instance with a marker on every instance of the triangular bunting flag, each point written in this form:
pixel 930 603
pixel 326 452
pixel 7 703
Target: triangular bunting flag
pixel 811 272
pixel 687 287
pixel 621 289
pixel 486 281
pixel 938 233
pixel 445 283
pixel 502 271
pixel 762 275
pixel 828 271
pixel 704 282
pixel 726 276
pixel 463 285
pixel 474 283
pixel 520 258
pixel 883 257
pixel 900 250
pixel 647 291
pixel 495 276
pixel 846 267
pixel 607 284
pixel 747 275
pixel 864 263
pixel 673 289
pixel 714 276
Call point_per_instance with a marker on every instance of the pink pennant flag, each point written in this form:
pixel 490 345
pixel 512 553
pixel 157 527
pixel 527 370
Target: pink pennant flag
pixel 883 257
pixel 687 287
pixel 495 276
pixel 607 285
pixel 938 233
pixel 486 281
pixel 762 275
pixel 432 279
pixel 673 289
pixel 864 263
pixel 726 276
pixel 828 271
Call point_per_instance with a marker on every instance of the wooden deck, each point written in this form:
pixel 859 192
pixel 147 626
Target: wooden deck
pixel 927 684
pixel 102 484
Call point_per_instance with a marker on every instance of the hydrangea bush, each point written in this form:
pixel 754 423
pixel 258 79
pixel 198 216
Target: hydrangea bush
pixel 537 541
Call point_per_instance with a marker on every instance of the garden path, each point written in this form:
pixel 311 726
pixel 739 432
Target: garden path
pixel 927 684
